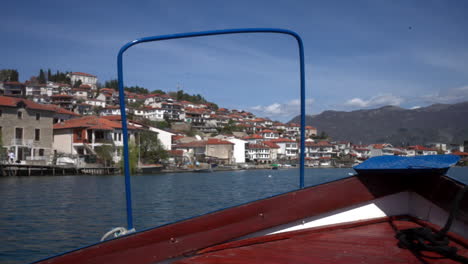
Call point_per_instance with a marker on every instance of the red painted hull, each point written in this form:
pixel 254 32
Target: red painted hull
pixel 189 236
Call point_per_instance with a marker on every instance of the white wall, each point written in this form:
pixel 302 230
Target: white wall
pixel 239 149
pixel 63 139
pixel 164 136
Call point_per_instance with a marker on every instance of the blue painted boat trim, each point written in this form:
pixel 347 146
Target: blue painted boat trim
pixel 199 34
pixel 430 164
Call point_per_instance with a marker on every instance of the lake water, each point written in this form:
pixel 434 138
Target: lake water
pixel 46 215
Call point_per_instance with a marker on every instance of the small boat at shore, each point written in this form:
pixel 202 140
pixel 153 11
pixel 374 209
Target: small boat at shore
pixel 151 168
pixel 374 216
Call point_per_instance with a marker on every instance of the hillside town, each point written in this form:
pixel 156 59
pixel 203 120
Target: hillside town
pixel 79 124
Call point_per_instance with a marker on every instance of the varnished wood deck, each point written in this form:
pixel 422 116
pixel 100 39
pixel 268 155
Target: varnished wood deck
pixel 365 242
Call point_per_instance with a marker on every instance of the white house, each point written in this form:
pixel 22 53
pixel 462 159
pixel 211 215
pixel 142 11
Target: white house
pixel 80 136
pixel 85 78
pixel 164 136
pixel 151 113
pixel 96 102
pixel 288 148
pixel 111 110
pixel 269 134
pixel 239 149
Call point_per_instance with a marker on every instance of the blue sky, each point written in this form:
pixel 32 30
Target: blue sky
pixel 359 54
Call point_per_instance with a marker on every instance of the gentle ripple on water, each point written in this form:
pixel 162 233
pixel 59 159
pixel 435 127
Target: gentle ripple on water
pixel 44 215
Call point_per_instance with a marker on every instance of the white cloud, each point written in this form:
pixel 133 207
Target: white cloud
pixel 448 96
pixel 375 101
pixel 281 111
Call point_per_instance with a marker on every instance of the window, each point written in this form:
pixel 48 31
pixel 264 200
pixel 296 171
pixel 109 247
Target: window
pixel 20 115
pixel 37 134
pixel 19 133
pixel 38 116
pixel 41 152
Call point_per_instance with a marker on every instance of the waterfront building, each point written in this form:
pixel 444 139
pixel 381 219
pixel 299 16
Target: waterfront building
pixel 274 150
pixel 288 148
pixel 26 128
pixel 258 153
pixel 212 150
pixel 239 149
pixel 322 150
pixel 419 150
pixel 362 152
pixel 81 136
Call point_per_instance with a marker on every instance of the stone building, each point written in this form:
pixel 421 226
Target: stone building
pixel 26 129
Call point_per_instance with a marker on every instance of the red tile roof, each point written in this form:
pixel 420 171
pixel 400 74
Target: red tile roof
pixel 293 125
pixel 257 146
pixel 282 140
pixel 215 141
pixel 13 102
pixel 459 153
pixel 271 144
pixel 255 136
pixel 175 138
pixel 83 74
pixel 85 86
pixel 193 144
pixel 267 131
pixel 419 147
pixel 318 144
pixel 91 122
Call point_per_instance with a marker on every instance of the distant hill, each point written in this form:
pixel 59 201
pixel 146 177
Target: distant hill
pixel 446 123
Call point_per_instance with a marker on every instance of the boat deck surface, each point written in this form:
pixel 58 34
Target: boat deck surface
pixel 370 242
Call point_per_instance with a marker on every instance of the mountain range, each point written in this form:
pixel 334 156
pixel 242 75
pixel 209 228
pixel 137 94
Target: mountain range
pixel 446 123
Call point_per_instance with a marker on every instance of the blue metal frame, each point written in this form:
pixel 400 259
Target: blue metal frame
pixel 199 34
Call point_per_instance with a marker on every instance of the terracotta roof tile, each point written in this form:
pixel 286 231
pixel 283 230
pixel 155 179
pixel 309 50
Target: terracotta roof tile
pixel 83 74
pixel 91 122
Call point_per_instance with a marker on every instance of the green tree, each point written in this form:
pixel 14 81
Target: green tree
pixel 42 77
pixel 49 75
pixel 158 91
pixel 9 75
pixel 105 153
pixel 132 158
pixel 151 149
pixel 114 84
pixel 77 84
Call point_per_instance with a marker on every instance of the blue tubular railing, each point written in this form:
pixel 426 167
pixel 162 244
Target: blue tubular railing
pixel 128 194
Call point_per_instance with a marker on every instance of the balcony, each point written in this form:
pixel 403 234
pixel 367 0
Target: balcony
pixel 22 142
pixel 103 141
